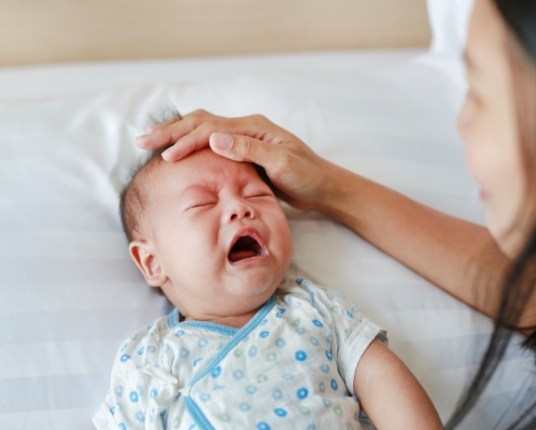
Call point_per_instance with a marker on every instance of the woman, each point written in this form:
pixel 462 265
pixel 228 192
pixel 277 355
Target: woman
pixel 498 124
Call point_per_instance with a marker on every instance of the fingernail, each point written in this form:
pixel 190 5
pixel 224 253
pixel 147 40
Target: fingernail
pixel 140 139
pixel 166 155
pixel 221 140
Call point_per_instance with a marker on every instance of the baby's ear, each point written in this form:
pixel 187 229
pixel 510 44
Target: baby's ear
pixel 144 255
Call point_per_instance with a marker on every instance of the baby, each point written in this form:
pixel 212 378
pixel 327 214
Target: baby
pixel 245 347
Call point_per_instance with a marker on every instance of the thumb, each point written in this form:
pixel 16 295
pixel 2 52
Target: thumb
pixel 242 148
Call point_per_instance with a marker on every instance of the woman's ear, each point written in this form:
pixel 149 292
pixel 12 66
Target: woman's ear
pixel 144 255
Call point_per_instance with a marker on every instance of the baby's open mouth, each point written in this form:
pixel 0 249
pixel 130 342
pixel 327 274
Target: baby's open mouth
pixel 245 247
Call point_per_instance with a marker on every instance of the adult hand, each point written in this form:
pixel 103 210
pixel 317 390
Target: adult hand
pixel 300 175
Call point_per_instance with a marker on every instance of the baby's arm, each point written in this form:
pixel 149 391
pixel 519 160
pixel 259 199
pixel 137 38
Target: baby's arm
pixel 389 393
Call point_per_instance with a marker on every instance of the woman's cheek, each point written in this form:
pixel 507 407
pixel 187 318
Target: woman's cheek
pixel 464 118
pixel 475 163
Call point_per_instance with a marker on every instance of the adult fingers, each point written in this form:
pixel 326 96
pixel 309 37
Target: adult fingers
pixel 245 148
pixel 187 139
pixel 160 125
pixel 169 132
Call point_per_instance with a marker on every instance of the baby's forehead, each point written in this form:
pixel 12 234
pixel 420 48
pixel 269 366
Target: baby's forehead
pixel 203 167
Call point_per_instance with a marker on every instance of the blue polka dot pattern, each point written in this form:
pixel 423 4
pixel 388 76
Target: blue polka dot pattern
pixel 238 374
pixel 334 384
pixel 291 357
pixel 280 412
pixel 300 355
pixel 252 352
pixel 184 353
pixel 302 393
pixel 318 323
pixel 277 394
pixel 140 416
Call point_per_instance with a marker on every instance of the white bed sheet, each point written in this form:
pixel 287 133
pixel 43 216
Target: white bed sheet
pixel 69 293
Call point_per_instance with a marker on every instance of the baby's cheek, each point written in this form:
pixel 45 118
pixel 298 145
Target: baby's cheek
pixel 287 246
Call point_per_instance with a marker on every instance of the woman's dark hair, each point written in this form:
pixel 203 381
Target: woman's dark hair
pixel 519 16
pixel 519 280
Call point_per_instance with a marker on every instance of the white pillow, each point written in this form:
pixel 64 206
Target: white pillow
pixel 449 20
pixel 69 293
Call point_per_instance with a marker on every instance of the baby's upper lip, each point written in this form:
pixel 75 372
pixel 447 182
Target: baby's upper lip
pixel 249 232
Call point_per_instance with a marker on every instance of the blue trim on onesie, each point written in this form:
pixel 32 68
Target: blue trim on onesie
pixel 210 326
pixel 198 416
pixel 191 406
pixel 173 318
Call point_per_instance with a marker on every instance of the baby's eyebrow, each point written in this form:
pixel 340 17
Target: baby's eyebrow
pixel 199 187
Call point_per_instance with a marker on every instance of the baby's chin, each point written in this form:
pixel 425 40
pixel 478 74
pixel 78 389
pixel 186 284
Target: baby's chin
pixel 254 285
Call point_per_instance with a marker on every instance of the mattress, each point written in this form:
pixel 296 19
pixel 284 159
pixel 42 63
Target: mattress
pixel 69 292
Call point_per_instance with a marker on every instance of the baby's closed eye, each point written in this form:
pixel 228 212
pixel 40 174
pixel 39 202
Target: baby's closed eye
pixel 200 204
pixel 258 195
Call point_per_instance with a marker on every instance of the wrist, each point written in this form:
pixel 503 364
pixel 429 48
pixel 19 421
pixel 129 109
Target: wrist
pixel 338 192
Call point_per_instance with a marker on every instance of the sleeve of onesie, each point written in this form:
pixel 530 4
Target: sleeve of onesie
pixel 132 399
pixel 352 331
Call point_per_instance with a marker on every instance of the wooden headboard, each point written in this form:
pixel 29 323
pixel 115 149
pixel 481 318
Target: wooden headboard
pixel 37 31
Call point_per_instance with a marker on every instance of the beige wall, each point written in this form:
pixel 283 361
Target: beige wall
pixel 37 31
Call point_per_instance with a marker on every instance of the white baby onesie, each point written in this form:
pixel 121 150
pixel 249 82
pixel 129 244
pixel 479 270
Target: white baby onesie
pixel 291 366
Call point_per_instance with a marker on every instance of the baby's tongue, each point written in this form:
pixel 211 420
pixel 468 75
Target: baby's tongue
pixel 241 255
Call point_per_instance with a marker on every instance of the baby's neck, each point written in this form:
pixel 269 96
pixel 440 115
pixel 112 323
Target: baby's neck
pixel 236 321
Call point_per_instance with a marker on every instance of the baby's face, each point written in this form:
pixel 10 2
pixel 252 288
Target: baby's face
pixel 219 235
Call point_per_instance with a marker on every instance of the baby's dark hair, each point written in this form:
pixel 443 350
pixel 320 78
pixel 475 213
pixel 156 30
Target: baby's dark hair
pixel 132 198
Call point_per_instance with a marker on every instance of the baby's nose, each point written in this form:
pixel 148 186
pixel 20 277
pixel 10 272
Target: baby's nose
pixel 241 210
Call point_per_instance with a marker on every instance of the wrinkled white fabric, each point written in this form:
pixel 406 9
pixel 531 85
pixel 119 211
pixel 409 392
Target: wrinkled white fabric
pixel 291 366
